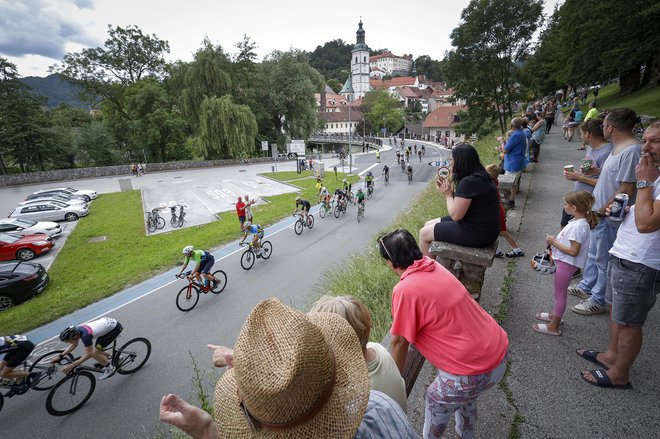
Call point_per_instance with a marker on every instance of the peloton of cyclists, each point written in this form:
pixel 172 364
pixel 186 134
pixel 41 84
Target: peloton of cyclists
pixel 105 330
pixel 257 234
pixel 16 349
pixel 203 264
pixel 304 208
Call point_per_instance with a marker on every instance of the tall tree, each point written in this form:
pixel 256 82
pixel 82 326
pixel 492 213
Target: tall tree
pixel 332 60
pixel 429 67
pixel 383 110
pixel 493 36
pixel 226 129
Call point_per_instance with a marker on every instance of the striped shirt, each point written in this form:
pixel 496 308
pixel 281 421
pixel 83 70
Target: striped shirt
pixel 384 419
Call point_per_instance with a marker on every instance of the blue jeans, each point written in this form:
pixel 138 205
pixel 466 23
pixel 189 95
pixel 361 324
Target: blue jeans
pixel 594 278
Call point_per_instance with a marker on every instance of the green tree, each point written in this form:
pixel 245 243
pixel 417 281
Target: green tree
pixel 429 67
pixel 97 146
pixel 492 38
pixel 383 110
pixel 332 60
pixel 226 129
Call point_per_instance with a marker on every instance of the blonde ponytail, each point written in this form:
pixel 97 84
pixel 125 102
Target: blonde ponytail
pixel 592 219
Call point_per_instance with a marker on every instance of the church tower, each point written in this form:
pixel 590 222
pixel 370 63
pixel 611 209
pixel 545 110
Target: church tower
pixel 360 66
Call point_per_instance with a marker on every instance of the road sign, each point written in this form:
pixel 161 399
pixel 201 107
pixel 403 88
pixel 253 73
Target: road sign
pixel 264 145
pixel 438 163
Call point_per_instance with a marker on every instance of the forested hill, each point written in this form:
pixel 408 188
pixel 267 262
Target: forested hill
pixel 55 90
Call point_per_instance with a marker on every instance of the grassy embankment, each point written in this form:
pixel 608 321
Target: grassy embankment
pixel 644 102
pixel 86 272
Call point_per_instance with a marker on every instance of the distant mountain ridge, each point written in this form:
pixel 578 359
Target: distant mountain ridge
pixel 55 90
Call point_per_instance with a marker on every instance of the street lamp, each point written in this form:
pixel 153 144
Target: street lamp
pixel 347 89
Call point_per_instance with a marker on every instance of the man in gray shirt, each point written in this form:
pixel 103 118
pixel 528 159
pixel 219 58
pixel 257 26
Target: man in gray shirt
pixel 617 176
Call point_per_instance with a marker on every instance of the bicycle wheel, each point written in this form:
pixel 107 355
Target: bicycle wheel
pixel 298 227
pixel 247 260
pixel 132 356
pixel 336 211
pixel 310 221
pixel 182 219
pixel 267 249
pixel 221 277
pixel 43 364
pixel 174 222
pixel 322 211
pixel 359 215
pixel 187 298
pixel 151 225
pixel 160 222
pixel 71 393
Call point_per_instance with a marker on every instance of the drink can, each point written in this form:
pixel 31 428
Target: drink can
pixel 568 168
pixel 585 167
pixel 618 208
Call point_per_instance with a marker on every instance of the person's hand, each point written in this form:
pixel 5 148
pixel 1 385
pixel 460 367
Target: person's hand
pixel 68 368
pixel 608 210
pixel 646 169
pixel 192 420
pixel 445 187
pixel 550 240
pixel 222 356
pixel 572 176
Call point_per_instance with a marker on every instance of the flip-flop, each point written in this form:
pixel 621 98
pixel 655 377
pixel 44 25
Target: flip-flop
pixel 543 329
pixel 602 380
pixel 544 316
pixel 590 355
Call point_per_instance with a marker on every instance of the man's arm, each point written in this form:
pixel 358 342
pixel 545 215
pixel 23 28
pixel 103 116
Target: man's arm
pixel 624 188
pixel 647 210
pixel 399 350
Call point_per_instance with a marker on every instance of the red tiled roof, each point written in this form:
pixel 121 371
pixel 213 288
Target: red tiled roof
pixel 401 81
pixel 340 116
pixel 377 83
pixel 409 92
pixel 443 117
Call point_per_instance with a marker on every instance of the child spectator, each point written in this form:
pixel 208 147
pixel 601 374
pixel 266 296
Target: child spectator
pixel 569 250
pixel 568 120
pixel 494 172
pixel 384 374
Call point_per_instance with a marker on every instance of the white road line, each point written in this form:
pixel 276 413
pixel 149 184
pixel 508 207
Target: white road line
pixel 204 204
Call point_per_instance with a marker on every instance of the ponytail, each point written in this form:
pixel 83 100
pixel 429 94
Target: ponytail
pixel 592 219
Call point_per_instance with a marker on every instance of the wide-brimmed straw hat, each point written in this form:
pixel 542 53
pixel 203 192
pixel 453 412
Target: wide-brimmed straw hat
pixel 294 376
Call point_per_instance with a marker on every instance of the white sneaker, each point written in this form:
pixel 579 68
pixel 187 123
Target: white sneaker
pixel 107 372
pixel 579 292
pixel 589 307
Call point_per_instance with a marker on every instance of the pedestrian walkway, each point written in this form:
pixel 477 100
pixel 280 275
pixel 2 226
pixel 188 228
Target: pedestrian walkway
pixel 544 384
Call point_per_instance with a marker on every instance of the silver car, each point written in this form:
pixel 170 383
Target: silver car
pixel 88 194
pixel 68 199
pixel 49 211
pixel 57 200
pixel 25 227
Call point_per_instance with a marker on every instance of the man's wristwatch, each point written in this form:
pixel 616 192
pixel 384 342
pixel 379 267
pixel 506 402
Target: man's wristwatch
pixel 643 183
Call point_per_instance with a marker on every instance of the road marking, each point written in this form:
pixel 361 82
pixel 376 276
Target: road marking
pixel 204 204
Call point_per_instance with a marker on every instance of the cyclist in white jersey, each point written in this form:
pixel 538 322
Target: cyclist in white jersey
pixel 104 330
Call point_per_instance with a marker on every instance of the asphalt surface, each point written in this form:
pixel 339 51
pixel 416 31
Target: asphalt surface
pixel 127 406
pixel 546 386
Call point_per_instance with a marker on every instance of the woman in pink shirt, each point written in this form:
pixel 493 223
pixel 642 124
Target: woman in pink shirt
pixel 432 310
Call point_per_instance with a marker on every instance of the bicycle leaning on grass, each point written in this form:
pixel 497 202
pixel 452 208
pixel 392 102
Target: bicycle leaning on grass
pixel 74 390
pixel 189 295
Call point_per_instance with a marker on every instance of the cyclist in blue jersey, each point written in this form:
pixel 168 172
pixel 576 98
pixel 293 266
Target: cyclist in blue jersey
pixel 203 264
pixel 104 330
pixel 257 233
pixel 16 349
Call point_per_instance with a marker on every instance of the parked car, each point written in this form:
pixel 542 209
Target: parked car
pixel 84 192
pixel 13 246
pixel 25 227
pixel 49 211
pixel 78 202
pixel 66 199
pixel 39 195
pixel 19 281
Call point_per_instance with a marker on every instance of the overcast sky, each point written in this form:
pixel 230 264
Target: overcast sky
pixel 35 34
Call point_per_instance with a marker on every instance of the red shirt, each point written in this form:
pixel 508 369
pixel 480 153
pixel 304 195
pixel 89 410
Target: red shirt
pixel 433 310
pixel 240 208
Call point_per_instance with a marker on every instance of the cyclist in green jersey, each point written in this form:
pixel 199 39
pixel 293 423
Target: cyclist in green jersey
pixel 203 263
pixel 361 197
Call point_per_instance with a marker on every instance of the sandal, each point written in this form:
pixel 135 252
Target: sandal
pixel 514 254
pixel 544 316
pixel 499 254
pixel 543 329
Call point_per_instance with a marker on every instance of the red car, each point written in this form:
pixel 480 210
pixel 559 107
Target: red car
pixel 25 247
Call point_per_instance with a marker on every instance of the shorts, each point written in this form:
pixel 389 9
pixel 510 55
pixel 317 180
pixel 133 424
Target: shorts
pixel 448 230
pixel 631 290
pixel 306 207
pixel 516 180
pixel 206 264
pixel 241 219
pixel 103 341
pixel 20 354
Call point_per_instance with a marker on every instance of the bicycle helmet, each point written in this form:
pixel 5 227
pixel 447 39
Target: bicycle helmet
pixel 344 181
pixel 69 333
pixel 247 224
pixel 370 174
pixel 297 198
pixel 187 249
pixel 324 189
pixel 543 263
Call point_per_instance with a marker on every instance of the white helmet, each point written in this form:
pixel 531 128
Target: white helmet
pixel 187 249
pixel 543 263
pixel 324 189
pixel 247 224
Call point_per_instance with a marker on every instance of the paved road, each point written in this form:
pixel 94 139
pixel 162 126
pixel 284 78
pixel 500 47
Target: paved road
pixel 127 405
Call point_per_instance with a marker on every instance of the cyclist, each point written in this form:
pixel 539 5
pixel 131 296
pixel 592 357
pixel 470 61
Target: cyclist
pixel 16 349
pixel 324 197
pixel 407 154
pixel 369 181
pixel 105 330
pixel 403 166
pixel 304 208
pixel 378 156
pixel 203 264
pixel 386 172
pixel 409 171
pixel 423 150
pixel 340 196
pixel 361 198
pixel 346 187
pixel 257 233
pixel 415 148
pixel 398 156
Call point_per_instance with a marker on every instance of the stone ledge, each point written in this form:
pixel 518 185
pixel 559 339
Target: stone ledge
pixel 469 255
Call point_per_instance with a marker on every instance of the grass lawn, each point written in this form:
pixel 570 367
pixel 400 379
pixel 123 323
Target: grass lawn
pixel 85 272
pixel 645 101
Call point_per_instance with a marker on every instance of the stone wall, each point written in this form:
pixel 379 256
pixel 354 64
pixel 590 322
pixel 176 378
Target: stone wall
pixel 105 171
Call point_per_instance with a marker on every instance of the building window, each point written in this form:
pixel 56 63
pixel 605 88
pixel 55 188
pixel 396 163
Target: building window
pixel 356 60
pixel 447 133
pixel 365 59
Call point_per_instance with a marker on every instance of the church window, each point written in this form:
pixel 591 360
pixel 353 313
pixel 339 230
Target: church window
pixel 356 59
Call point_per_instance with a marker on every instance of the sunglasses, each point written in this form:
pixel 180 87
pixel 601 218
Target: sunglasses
pixel 382 242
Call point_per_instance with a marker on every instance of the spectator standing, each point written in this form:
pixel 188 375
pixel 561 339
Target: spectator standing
pixel 432 310
pixel 514 157
pixel 538 135
pixel 144 167
pixel 596 92
pixel 617 176
pixel 134 169
pixel 240 211
pixel 248 208
pixel 549 111
pixel 634 274
pixel 139 169
pixel 591 114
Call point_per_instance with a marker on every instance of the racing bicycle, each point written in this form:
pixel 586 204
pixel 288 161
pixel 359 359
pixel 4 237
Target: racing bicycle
pixel 387 179
pixel 189 295
pixel 325 208
pixel 360 212
pixel 300 224
pixel 410 177
pixel 250 255
pixel 74 390
pixel 340 207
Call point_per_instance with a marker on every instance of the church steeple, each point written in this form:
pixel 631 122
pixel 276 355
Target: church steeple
pixel 360 34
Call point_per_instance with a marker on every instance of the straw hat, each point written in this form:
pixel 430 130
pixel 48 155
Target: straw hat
pixel 294 376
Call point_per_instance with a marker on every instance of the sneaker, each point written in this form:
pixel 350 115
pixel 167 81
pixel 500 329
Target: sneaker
pixel 108 371
pixel 214 284
pixel 98 366
pixel 589 307
pixel 34 378
pixel 499 254
pixel 579 292
pixel 515 254
pixel 512 204
pixel 578 273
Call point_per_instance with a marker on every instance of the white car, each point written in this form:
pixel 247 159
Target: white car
pixel 55 199
pixel 88 194
pixel 49 211
pixel 25 227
